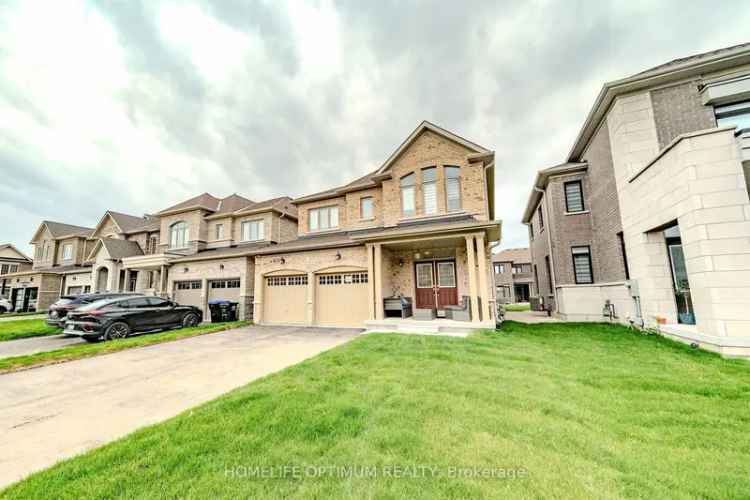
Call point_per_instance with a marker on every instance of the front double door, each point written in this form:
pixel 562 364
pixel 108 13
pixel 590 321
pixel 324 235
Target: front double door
pixel 436 284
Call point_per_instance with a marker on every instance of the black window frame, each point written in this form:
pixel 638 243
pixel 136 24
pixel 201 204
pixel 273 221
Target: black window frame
pixel 591 264
pixel 565 191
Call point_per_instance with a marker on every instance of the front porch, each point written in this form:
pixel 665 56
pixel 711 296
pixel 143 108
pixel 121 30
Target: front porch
pixel 442 283
pixel 147 274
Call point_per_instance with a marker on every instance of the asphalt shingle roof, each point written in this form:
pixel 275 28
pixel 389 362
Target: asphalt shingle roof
pixel 520 255
pixel 58 229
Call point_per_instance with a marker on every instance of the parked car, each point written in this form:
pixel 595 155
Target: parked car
pixel 117 318
pixel 5 305
pixel 58 312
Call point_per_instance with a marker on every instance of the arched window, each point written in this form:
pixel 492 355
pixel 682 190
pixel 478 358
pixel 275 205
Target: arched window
pixel 178 235
pixel 407 194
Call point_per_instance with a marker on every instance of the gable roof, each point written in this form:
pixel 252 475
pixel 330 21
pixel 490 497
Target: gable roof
pixel 540 183
pixel 374 178
pixel 59 230
pixel 282 204
pixel 116 248
pixel 206 201
pixel 128 224
pixel 675 70
pixel 21 255
pixel 521 255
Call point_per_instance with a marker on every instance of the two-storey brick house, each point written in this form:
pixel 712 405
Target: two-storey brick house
pixel 514 281
pixel 648 220
pixel 419 227
pixel 12 260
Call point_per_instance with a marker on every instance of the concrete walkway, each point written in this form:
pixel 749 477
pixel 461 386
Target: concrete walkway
pixel 31 345
pixel 58 411
pixel 530 317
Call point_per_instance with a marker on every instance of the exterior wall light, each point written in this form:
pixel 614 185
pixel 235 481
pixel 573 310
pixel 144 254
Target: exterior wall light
pixel 338 255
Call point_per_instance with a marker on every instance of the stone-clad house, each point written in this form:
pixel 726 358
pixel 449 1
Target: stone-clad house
pixel 514 281
pixel 420 227
pixel 648 219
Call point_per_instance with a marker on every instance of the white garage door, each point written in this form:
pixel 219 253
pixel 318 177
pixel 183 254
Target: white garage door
pixel 188 293
pixel 341 299
pixel 285 299
pixel 228 289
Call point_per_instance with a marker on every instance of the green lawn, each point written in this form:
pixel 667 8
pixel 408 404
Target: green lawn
pixel 572 411
pixel 86 350
pixel 23 328
pixel 521 306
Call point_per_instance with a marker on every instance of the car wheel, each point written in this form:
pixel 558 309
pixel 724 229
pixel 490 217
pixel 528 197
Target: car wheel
pixel 2 309
pixel 117 330
pixel 190 319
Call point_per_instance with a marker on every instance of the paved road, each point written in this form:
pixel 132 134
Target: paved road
pixel 3 317
pixel 58 411
pixel 36 344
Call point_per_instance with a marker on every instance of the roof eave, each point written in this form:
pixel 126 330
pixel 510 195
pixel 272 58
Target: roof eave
pixel 541 181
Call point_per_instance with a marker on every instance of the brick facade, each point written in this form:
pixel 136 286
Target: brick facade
pixel 678 109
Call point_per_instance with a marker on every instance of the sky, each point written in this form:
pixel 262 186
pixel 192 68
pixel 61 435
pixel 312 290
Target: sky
pixel 134 107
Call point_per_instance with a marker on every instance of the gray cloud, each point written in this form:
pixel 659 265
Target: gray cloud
pixel 517 77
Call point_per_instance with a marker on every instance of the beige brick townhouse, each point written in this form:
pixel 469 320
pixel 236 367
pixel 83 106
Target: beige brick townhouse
pixel 648 220
pixel 12 260
pixel 418 227
pixel 514 281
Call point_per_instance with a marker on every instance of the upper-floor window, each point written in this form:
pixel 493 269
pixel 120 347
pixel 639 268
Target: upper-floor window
pixel 252 230
pixel 531 231
pixel 408 207
pixel 737 114
pixel 429 190
pixel 541 218
pixel 452 188
pixel 46 250
pixel 323 218
pixel 151 245
pixel 4 269
pixel 499 268
pixel 521 268
pixel 178 235
pixel 366 207
pixel 582 264
pixel 574 196
pixel 67 251
pixel 219 231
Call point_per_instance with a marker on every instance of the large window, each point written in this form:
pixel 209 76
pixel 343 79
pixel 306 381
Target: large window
pixel 252 230
pixel 429 190
pixel 582 265
pixel 499 268
pixel 366 208
pixel 452 188
pixel 68 251
pixel 521 268
pixel 219 231
pixel 408 206
pixel 737 114
pixel 178 235
pixel 574 196
pixel 323 218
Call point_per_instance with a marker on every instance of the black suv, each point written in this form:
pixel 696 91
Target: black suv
pixel 59 310
pixel 117 318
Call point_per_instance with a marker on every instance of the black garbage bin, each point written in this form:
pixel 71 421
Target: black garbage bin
pixel 222 310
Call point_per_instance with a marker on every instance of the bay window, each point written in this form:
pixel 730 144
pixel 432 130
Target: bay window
pixel 429 190
pixel 452 188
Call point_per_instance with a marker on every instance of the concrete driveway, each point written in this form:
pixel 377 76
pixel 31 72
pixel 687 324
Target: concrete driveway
pixel 58 411
pixel 31 345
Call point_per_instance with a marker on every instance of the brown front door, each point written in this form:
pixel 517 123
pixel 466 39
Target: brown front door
pixel 436 284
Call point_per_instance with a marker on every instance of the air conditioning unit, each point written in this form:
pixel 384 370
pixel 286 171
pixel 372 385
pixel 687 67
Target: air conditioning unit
pixel 633 288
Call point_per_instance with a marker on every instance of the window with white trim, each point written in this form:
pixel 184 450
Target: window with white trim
pixel 219 231
pixel 67 251
pixel 178 235
pixel 408 186
pixel 366 207
pixel 582 264
pixel 574 196
pixel 452 188
pixel 429 190
pixel 252 230
pixel 5 269
pixel 323 218
pixel 188 285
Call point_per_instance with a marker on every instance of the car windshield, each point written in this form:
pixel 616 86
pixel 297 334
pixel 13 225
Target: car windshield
pixel 97 304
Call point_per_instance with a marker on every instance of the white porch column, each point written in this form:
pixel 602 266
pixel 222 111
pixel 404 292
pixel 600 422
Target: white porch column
pixel 204 299
pixel 482 258
pixel 471 264
pixel 162 280
pixel 112 279
pixel 258 295
pixel 310 318
pixel 378 281
pixel 370 281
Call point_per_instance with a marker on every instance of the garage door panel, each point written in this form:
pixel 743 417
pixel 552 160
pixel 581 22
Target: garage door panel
pixel 341 299
pixel 224 289
pixel 188 293
pixel 285 299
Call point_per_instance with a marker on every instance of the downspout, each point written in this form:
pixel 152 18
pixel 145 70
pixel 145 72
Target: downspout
pixel 553 278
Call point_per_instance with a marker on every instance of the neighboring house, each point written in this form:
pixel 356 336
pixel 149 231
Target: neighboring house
pixel 419 226
pixel 12 260
pixel 59 258
pixel 649 217
pixel 514 281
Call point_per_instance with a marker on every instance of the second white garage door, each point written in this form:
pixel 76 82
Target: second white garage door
pixel 285 299
pixel 188 293
pixel 228 289
pixel 341 299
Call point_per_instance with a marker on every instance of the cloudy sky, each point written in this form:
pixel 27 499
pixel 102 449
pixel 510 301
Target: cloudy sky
pixel 134 107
